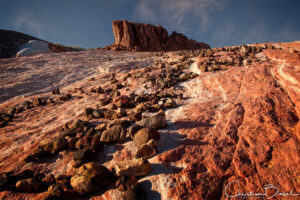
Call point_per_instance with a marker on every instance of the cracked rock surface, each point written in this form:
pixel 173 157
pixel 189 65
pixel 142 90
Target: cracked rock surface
pixel 234 127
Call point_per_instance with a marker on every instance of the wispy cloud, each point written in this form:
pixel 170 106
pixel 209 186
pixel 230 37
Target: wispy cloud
pixel 26 20
pixel 259 31
pixel 178 13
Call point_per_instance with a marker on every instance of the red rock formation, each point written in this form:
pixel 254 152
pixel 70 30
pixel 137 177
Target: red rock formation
pixel 58 48
pixel 147 37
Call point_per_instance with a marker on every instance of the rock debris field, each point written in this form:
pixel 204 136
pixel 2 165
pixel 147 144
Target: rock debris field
pixel 190 124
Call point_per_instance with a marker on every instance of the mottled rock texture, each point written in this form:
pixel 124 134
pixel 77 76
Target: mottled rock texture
pixel 235 128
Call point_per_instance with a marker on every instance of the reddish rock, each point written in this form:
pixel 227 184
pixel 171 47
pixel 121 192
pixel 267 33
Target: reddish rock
pixel 239 124
pixel 147 37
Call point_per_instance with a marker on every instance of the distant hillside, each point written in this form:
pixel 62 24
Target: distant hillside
pixel 10 41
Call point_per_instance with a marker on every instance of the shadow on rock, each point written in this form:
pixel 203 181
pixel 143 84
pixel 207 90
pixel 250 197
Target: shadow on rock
pixel 191 125
pixel 49 159
pixel 158 169
pixel 151 194
pixel 168 141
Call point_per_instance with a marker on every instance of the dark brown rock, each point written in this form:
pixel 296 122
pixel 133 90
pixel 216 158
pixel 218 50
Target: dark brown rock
pixel 153 122
pixel 38 101
pixel 54 145
pixel 144 135
pixel 82 156
pixel 49 179
pixel 28 185
pixel 114 134
pixel 64 181
pixel 4 181
pixel 147 150
pixel 65 97
pixel 67 132
pixel 123 123
pixel 108 114
pixel 56 91
pixel 90 177
pixel 136 116
pixel 127 188
pixel 97 114
pixel 55 190
pixel 133 130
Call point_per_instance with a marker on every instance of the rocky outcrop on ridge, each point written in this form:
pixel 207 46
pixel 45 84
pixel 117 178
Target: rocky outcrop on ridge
pixel 12 41
pixel 146 37
pixel 203 124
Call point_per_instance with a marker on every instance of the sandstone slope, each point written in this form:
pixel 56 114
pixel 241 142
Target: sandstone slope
pixel 234 127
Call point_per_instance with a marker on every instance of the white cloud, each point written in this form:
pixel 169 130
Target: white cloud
pixel 177 13
pixel 27 21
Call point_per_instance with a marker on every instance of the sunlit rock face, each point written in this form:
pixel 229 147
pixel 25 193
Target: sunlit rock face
pixel 234 126
pixel 146 37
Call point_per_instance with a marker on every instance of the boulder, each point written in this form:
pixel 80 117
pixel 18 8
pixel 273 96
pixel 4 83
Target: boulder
pixel 49 179
pixel 155 122
pixel 170 103
pixel 78 124
pixel 101 127
pixel 53 145
pixel 147 150
pixel 28 185
pixel 4 180
pixel 64 181
pixel 71 142
pixel 127 188
pixel 136 116
pixel 82 156
pixel 123 123
pixel 144 135
pixel 67 132
pixel 97 114
pixel 55 190
pixel 133 130
pixel 38 101
pixel 90 177
pixel 56 91
pixel 114 134
pixel 142 107
pixel 135 167
pixel 108 114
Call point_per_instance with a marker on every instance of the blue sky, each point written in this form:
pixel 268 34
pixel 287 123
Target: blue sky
pixel 87 23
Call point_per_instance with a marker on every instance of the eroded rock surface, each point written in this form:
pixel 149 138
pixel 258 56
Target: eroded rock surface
pixel 231 123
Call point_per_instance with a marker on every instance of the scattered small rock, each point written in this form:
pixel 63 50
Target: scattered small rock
pixel 56 91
